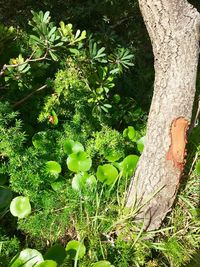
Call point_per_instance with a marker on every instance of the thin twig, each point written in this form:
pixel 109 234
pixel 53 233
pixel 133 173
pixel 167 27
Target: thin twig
pixel 5 66
pixel 28 96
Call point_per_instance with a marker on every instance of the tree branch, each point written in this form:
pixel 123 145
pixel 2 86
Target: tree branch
pixel 28 96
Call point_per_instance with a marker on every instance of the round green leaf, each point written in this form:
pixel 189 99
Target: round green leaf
pixel 5 197
pixel 40 140
pixel 130 133
pixel 75 247
pixel 72 147
pixel 83 180
pixel 197 167
pixel 128 165
pixel 79 162
pixel 140 144
pixel 91 182
pixel 27 258
pixel 53 168
pixel 20 207
pixel 102 264
pixel 107 174
pixel 48 263
pixel 114 156
pixel 58 185
pixel 79 181
pixel 56 253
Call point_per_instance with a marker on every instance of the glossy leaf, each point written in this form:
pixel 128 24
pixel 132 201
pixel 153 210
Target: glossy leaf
pixel 79 162
pixel 72 147
pixel 83 180
pixel 53 168
pixel 107 174
pixel 128 165
pixel 27 258
pixel 20 207
pixel 75 247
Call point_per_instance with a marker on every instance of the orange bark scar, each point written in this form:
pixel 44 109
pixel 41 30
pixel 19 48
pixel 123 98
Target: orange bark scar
pixel 177 151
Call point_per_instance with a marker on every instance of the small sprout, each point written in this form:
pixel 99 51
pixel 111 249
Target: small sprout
pixel 72 147
pixel 107 174
pixel 79 162
pixel 20 207
pixel 128 165
pixel 27 258
pixel 53 168
pixel 74 248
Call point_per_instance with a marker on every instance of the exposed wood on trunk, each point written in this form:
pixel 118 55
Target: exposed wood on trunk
pixel 177 151
pixel 174 27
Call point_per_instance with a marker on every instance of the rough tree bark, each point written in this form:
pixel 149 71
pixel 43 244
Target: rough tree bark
pixel 174 29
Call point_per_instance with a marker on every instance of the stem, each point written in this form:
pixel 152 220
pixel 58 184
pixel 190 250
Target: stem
pixel 20 64
pixel 28 96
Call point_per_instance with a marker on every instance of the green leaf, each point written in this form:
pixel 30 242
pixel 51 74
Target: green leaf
pixel 48 263
pixel 72 147
pixel 128 165
pixel 78 162
pixel 75 247
pixel 53 56
pixel 40 140
pixel 5 197
pixel 55 118
pixel 130 133
pixel 56 253
pixel 140 144
pixel 53 168
pixel 58 185
pixel 20 207
pixel 27 258
pixel 107 174
pixel 197 167
pixel 83 180
pixel 102 264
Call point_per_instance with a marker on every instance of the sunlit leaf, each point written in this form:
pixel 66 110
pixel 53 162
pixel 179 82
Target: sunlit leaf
pixel 107 174
pixel 27 258
pixel 20 207
pixel 53 168
pixel 72 147
pixel 74 248
pixel 128 165
pixel 78 162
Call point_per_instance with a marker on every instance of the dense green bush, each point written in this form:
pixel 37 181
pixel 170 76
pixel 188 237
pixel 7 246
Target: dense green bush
pixel 71 133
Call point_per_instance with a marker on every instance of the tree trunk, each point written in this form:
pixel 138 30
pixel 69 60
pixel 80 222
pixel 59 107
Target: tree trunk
pixel 174 28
